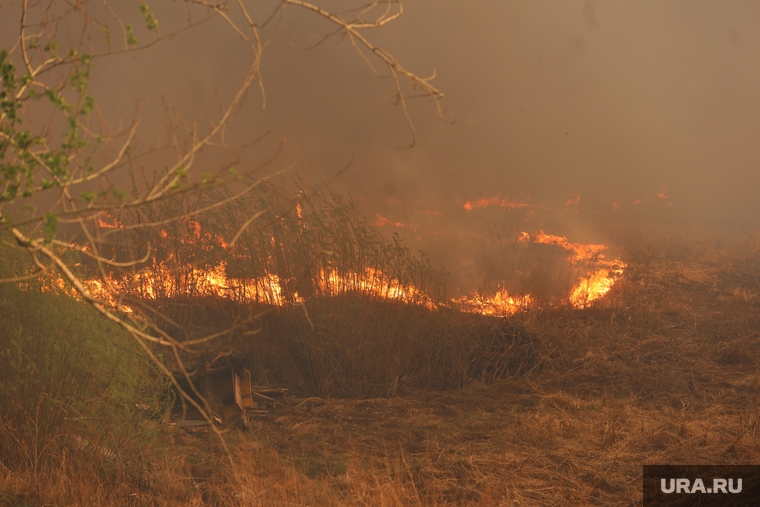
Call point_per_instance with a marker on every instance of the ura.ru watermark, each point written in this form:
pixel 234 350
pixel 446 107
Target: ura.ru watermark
pixel 717 485
pixel 703 485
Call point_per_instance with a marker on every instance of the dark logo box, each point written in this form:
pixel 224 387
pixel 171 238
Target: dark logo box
pixel 701 485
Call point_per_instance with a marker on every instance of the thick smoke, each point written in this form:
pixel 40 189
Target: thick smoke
pixel 591 113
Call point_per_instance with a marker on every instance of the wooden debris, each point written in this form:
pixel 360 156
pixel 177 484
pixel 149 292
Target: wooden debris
pixel 226 394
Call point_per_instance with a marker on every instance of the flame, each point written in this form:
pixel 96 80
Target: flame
pixel 159 281
pixel 269 289
pixel 501 304
pixel 374 283
pixel 575 200
pixel 581 252
pixel 596 285
pixel 495 201
pixel 588 289
pixel 171 278
pixel 105 225
pixel 382 222
pixel 98 289
pixel 593 286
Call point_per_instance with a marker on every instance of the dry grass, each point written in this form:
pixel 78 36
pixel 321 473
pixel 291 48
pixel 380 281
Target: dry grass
pixel 664 370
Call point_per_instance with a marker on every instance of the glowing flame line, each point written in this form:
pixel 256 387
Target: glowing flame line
pixel 160 281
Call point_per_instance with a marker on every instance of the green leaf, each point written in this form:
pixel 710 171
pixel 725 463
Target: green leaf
pixel 88 106
pixel 131 39
pixel 51 46
pixel 56 98
pixel 148 16
pixel 106 34
pixel 51 225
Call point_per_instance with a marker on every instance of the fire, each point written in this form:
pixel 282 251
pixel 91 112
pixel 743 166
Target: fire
pixel 382 222
pixel 495 201
pixel 160 281
pixel 106 225
pixel 581 252
pixel 500 304
pixel 574 201
pixel 374 283
pixel 596 285
pixel 172 277
pixel 588 289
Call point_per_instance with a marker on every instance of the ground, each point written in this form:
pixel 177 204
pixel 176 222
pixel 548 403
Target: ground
pixel 663 370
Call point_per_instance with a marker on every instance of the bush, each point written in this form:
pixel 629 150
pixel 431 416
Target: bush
pixel 356 346
pixel 299 247
pixel 68 377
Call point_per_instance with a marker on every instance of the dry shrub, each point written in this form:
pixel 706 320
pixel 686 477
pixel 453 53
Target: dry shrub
pixel 356 346
pixel 362 348
pixel 272 246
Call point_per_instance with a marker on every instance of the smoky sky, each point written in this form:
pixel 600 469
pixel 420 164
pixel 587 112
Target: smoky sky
pixel 613 102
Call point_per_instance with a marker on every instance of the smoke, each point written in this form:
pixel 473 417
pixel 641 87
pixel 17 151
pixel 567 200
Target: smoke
pixel 613 103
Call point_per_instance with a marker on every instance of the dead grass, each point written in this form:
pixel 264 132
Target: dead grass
pixel 664 370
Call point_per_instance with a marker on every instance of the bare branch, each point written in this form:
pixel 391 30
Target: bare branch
pixel 245 226
pixel 35 274
pixel 110 262
pixel 38 246
pixel 352 29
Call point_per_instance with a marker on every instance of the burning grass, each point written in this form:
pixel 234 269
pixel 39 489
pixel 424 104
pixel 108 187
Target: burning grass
pixel 662 370
pixel 318 245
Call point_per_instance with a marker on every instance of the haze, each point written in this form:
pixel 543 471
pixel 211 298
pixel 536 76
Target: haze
pixel 611 102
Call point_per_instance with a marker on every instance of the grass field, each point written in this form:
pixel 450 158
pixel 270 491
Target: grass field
pixel 397 405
